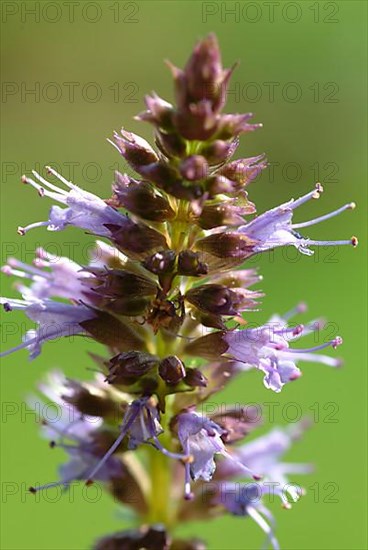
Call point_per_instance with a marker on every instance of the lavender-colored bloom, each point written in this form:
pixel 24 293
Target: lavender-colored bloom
pixel 275 228
pixel 84 209
pixel 265 453
pixel 80 436
pixel 54 320
pixel 141 424
pixel 200 439
pixel 246 500
pixel 267 349
pixel 51 276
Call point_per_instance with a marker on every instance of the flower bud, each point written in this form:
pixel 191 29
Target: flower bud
pixel 128 368
pixel 159 112
pixel 136 239
pixel 219 151
pixel 141 199
pixel 227 245
pixel 194 168
pixel 216 299
pixel 160 262
pixel 210 346
pixel 172 370
pixel 225 213
pixel 243 171
pixel 189 264
pixel 136 150
pixel 230 126
pixel 195 379
pixel 170 144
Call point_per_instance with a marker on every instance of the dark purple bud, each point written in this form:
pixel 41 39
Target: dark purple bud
pixel 160 262
pixel 159 112
pixel 194 168
pixel 219 151
pixel 170 144
pixel 225 213
pixel 189 264
pixel 197 122
pixel 136 150
pixel 118 282
pixel 149 538
pixel 210 346
pixel 243 171
pixel 112 332
pixel 172 370
pixel 195 378
pixel 141 199
pixel 161 174
pixel 136 239
pixel 227 245
pixel 127 368
pixel 230 126
pixel 216 299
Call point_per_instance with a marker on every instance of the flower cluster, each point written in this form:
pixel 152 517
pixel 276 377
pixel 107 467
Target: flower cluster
pixel 166 293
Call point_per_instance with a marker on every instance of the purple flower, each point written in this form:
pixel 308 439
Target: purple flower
pixel 264 453
pixel 83 210
pixel 54 320
pixel 246 500
pixel 267 349
pixel 141 423
pixel 80 436
pixel 275 228
pixel 51 276
pixel 200 439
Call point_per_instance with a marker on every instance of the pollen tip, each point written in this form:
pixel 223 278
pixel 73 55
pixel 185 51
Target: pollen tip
pixel 257 477
pixel 32 490
pixel 354 241
pixel 21 231
pixel 24 179
pixel 319 188
pixel 286 505
pixel 352 205
pixel 337 342
pixel 52 444
pixel 7 307
pixel 89 482
pixel 302 307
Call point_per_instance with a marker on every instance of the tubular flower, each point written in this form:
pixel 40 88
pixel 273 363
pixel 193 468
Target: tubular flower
pixel 166 293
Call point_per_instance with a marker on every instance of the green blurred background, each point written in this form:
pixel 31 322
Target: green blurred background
pixel 111 54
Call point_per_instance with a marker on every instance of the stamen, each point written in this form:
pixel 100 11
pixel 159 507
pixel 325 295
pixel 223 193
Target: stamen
pixel 59 196
pixel 353 241
pixel 256 477
pixel 334 343
pixel 300 308
pixel 61 178
pixel 349 206
pixel 315 194
pixel 65 483
pixel 13 262
pixel 48 184
pixel 256 516
pixel 114 446
pixel 23 230
pixel 114 145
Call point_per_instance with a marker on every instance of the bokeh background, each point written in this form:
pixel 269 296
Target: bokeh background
pixel 302 73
